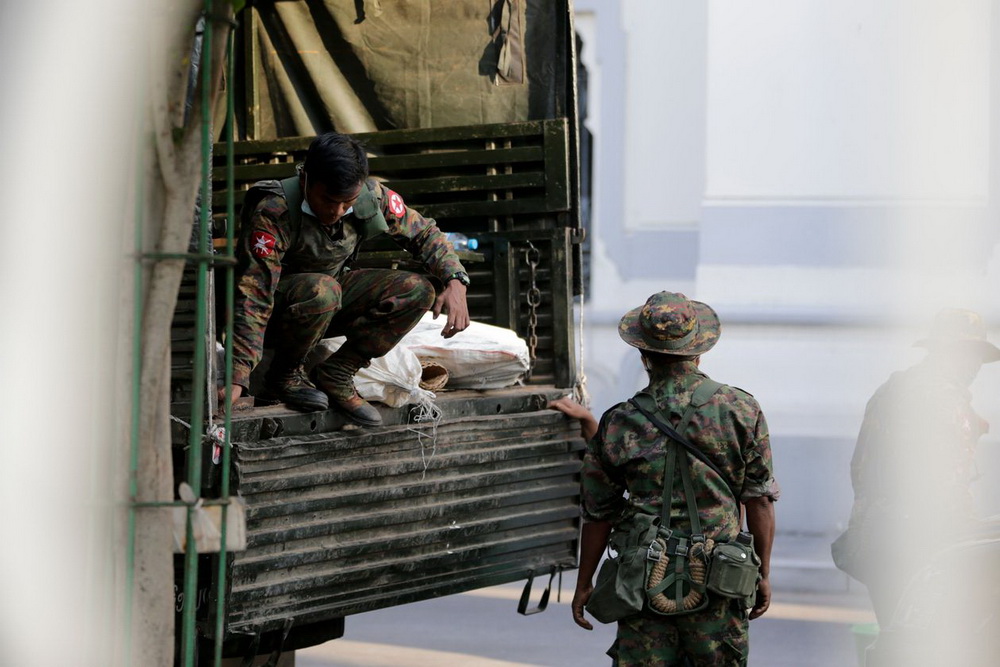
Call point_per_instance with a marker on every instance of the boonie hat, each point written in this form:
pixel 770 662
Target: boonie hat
pixel 670 323
pixel 958 326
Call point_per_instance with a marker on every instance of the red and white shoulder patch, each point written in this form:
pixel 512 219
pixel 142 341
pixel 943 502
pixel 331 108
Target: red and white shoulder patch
pixel 396 204
pixel 263 244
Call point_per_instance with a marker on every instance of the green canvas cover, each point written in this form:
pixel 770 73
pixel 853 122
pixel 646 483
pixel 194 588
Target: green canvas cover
pixel 366 65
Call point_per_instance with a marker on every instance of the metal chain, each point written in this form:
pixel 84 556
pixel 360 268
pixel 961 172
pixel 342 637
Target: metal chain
pixel 533 256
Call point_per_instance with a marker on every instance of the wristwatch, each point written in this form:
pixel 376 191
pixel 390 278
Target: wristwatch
pixel 460 276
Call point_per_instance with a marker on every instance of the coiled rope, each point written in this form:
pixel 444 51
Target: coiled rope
pixel 698 568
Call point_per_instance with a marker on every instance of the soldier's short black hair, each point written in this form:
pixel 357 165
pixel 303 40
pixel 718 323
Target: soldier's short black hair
pixel 660 359
pixel 337 161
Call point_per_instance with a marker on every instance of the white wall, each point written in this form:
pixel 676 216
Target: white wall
pixel 849 100
pixel 826 168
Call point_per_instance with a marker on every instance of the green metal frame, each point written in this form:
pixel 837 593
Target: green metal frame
pixel 200 398
pixel 220 616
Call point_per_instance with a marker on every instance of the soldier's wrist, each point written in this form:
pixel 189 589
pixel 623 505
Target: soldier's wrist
pixel 459 276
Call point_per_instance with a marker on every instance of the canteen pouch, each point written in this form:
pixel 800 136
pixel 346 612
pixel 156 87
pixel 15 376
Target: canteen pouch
pixel 734 569
pixel 621 581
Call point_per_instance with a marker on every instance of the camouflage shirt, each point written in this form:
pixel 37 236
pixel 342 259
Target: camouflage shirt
pixel 628 455
pixel 272 243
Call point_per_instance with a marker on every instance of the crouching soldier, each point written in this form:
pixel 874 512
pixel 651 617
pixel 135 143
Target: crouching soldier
pixel 298 238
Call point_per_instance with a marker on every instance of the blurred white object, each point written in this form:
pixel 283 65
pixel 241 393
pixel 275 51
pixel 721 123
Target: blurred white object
pixel 207 524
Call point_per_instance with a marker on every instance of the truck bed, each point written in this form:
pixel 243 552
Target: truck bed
pixel 343 519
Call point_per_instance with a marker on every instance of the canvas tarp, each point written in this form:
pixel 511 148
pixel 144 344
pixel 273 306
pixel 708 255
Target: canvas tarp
pixel 362 65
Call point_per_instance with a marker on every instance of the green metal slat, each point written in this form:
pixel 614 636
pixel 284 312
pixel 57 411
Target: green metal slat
pixel 457 158
pixel 250 173
pixel 415 187
pixel 511 542
pixel 527 206
pixel 439 135
pixel 423 514
pixel 352 550
pixel 561 288
pixel 307 455
pixel 411 187
pixel 389 138
pixel 490 571
pixel 557 167
pixel 261 511
pixel 412 466
pixel 546 424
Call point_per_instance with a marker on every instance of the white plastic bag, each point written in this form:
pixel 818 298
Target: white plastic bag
pixel 481 357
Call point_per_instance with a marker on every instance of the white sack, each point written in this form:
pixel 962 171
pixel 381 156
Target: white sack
pixel 481 357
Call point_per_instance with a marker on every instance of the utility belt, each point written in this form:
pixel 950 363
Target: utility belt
pixel 668 572
pixel 681 569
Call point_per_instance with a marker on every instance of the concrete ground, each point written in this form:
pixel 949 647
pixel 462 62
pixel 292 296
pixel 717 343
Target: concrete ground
pixel 816 619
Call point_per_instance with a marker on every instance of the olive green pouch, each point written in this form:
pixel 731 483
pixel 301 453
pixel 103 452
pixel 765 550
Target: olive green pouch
pixel 735 568
pixel 620 590
pixel 369 217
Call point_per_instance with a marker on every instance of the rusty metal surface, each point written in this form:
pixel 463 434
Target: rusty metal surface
pixel 345 521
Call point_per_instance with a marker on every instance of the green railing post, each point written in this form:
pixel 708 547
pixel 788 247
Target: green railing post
pixel 198 398
pixel 220 626
pixel 133 466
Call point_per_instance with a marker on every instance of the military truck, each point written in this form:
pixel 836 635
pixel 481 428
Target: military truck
pixel 468 110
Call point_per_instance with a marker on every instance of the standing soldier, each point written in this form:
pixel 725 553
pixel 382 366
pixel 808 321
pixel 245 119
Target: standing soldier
pixel 914 463
pixel 624 477
pixel 298 239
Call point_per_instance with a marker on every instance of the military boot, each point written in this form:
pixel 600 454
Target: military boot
pixel 335 376
pixel 291 385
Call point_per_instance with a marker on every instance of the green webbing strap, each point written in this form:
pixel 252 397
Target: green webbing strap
pixel 689 496
pixel 367 220
pixel 668 483
pixel 679 558
pixel 293 198
pixel 702 394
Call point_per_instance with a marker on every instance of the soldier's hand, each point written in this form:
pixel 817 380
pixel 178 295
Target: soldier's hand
pixel 235 393
pixel 452 301
pixel 763 600
pixel 569 407
pixel 580 598
pixel 573 410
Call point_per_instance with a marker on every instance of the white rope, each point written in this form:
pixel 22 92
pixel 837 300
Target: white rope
pixel 580 393
pixel 425 411
pixel 181 422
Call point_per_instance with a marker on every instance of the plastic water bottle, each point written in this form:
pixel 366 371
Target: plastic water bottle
pixel 461 242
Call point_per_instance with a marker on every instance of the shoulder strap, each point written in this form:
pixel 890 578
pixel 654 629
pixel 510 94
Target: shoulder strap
pixel 293 197
pixel 257 192
pixel 703 393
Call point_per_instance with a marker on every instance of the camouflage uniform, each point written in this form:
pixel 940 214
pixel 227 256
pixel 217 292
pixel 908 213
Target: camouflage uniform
pixel 628 454
pixel 295 284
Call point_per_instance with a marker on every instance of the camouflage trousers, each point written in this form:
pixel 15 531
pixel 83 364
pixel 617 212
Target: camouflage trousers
pixel 373 308
pixel 716 636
